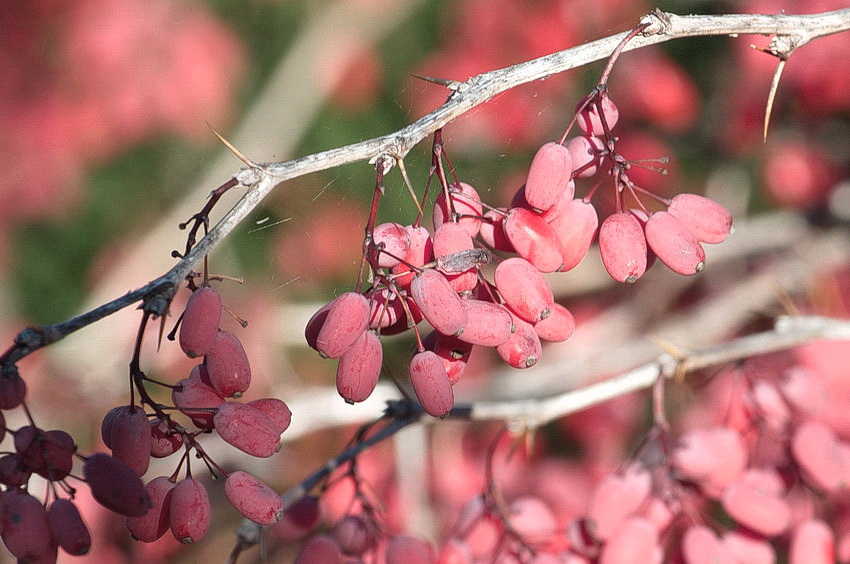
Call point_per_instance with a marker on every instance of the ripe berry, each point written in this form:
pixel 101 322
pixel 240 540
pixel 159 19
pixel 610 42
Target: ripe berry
pixel 590 118
pixel 420 252
pixel 153 524
pixel 354 534
pixel 706 219
pixel 559 326
pixel 347 318
pixel 574 222
pixel 196 399
pixel 252 498
pixel 431 383
pixel 534 239
pixel 488 324
pixel 549 177
pixel 320 549
pixel 438 302
pixel 200 321
pixel 13 389
pixel 453 352
pixel 409 550
pixel 467 206
pixel 130 436
pixel 164 441
pixel 227 365
pixel 276 410
pixel 451 238
pixel 586 155
pixel 359 368
pixel 622 246
pixel 247 428
pixel 525 291
pixel 189 511
pixel 392 243
pixel 25 527
pixel 492 230
pixel 115 485
pixel 523 349
pixel 674 244
pixel 67 527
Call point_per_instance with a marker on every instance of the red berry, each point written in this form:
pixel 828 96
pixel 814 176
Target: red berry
pixel 252 498
pixel 347 318
pixel 534 239
pixel 153 524
pixel 636 541
pixel 164 441
pixel 406 549
pixel 586 155
pixel 130 435
pixel 420 252
pixel 67 527
pixel 13 389
pixel 200 322
pixel 247 428
pixel 467 206
pixel 453 352
pixel 590 118
pixel 392 242
pixel 196 399
pixel 706 219
pixel 276 410
pixel 488 324
pixel 674 244
pixel 189 511
pixel 622 245
pixel 431 383
pixel 525 291
pixel 115 485
pixel 438 302
pixel 559 326
pixel 359 368
pixel 523 349
pixel 25 527
pixel 492 230
pixel 355 535
pixel 320 549
pixel 451 238
pixel 549 177
pixel 227 365
pixel 812 542
pixel 574 222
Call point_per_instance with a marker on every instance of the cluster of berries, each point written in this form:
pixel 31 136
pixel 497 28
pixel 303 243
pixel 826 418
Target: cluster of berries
pixel 209 398
pixel 437 276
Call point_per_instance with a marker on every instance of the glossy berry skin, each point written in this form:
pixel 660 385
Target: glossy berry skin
pixel 534 239
pixel 590 118
pixel 392 243
pixel 575 223
pixel 247 428
pixel 439 303
pixel 115 485
pixel 549 176
pixel 359 368
pixel 227 365
pixel 674 244
pixel 252 498
pixel 706 219
pixel 189 511
pixel 431 383
pixel 200 322
pixel 559 326
pixel 467 207
pixel 622 246
pixel 346 320
pixel 524 289
pixel 67 527
pixel 153 524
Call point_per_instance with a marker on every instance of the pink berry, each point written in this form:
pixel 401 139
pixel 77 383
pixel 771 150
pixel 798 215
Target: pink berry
pixel 674 244
pixel 488 324
pixel 622 245
pixel 189 511
pixel 574 222
pixel 431 383
pixel 359 368
pixel 706 219
pixel 586 155
pixel 525 291
pixel 347 318
pixel 247 428
pixel 67 527
pixel 392 241
pixel 153 524
pixel 523 349
pixel 534 239
pixel 200 322
pixel 467 206
pixel 549 176
pixel 252 498
pixel 438 301
pixel 590 118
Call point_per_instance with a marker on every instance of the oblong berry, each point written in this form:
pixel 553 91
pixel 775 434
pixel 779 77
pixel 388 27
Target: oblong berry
pixel 574 222
pixel 705 218
pixel 319 549
pixel 467 207
pixel 451 238
pixel 420 252
pixel 439 303
pixel 153 524
pixel 196 399
pixel 115 485
pixel 674 244
pixel 492 230
pixel 13 390
pixel 227 365
pixel 189 511
pixel 67 527
pixel 252 498
pixel 200 322
pixel 392 243
pixel 586 154
pixel 525 291
pixel 452 351
pixel 559 326
pixel 431 383
pixel 347 318
pixel 247 428
pixel 354 534
pixel 622 246
pixel 549 176
pixel 590 118
pixel 534 239
pixel 164 441
pixel 24 527
pixel 359 368
pixel 276 410
pixel 488 324
pixel 130 435
pixel 523 349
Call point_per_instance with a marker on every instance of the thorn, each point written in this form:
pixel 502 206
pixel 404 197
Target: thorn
pixel 675 353
pixel 785 300
pixel 450 84
pixel 774 86
pixel 232 149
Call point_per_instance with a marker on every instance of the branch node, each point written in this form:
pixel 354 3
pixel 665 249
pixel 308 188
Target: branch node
pixel 656 22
